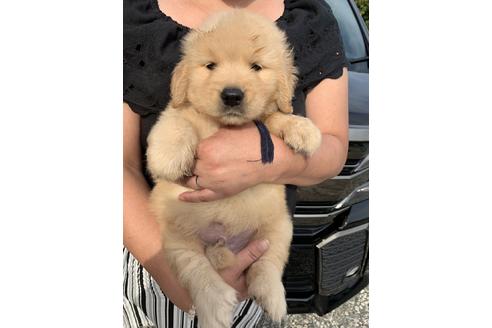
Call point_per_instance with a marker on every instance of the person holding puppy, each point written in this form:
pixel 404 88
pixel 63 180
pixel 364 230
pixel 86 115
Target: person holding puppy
pixel 152 34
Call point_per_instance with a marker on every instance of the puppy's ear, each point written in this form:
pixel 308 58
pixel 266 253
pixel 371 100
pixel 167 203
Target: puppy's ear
pixel 286 84
pixel 179 84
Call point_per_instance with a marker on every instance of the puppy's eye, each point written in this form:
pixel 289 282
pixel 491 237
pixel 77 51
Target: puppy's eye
pixel 256 67
pixel 211 66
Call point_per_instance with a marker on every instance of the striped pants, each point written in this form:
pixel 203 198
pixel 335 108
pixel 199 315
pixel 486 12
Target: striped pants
pixel 144 304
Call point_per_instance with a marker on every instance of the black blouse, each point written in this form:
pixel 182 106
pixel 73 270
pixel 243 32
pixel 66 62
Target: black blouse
pixel 151 50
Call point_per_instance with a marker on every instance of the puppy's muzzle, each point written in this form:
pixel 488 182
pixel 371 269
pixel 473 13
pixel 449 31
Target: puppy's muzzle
pixel 232 96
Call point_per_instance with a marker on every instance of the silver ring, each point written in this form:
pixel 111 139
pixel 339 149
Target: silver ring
pixel 196 182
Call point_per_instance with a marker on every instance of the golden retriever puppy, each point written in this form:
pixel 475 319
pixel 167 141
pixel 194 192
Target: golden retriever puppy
pixel 235 69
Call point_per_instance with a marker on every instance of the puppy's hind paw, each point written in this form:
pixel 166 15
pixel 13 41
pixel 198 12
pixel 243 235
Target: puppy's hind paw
pixel 270 296
pixel 302 136
pixel 219 256
pixel 215 306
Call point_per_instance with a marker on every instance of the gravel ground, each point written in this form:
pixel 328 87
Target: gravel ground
pixel 353 314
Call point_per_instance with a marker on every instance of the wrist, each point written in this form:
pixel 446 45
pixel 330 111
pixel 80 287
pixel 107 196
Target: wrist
pixel 168 282
pixel 286 164
pixel 293 167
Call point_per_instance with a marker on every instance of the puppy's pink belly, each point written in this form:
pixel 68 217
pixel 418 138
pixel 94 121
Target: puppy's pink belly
pixel 215 232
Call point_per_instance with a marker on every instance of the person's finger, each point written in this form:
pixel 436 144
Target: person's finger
pixel 203 195
pixel 194 182
pixel 198 169
pixel 252 252
pixel 243 292
pixel 190 182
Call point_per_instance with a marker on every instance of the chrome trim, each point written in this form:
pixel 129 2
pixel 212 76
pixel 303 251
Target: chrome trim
pixel 358 133
pixel 317 215
pixel 364 164
pixel 364 188
pixel 352 271
pixel 344 177
pixel 306 216
pixel 314 206
pixel 316 219
pixel 341 234
pixel 336 208
pixel 351 165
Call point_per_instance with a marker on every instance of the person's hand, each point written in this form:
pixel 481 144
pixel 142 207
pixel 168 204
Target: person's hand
pixel 235 275
pixel 229 162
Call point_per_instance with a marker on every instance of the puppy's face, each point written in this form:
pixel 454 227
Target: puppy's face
pixel 235 69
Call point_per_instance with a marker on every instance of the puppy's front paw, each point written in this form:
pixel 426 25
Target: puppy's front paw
pixel 172 164
pixel 302 135
pixel 215 305
pixel 269 292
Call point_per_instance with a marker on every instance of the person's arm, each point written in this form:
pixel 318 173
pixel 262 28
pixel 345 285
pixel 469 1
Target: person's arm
pixel 141 232
pixel 327 107
pixel 228 161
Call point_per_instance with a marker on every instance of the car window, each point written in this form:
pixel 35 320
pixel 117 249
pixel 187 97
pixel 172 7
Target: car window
pixel 353 40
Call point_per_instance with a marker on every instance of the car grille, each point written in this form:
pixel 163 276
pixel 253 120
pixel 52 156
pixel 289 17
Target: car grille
pixel 342 257
pixel 327 255
pixel 333 191
pixel 357 154
pixel 300 272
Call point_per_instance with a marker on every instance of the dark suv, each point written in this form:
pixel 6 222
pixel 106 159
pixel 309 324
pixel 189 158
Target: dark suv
pixel 329 254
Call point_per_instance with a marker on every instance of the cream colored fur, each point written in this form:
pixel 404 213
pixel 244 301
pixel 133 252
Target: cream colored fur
pixel 233 41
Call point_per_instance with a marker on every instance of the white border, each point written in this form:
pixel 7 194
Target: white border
pixel 61 171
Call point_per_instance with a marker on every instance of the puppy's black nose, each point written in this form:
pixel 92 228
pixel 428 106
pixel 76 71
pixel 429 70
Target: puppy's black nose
pixel 232 96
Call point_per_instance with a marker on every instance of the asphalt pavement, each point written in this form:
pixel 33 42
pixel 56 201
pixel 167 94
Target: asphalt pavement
pixel 352 314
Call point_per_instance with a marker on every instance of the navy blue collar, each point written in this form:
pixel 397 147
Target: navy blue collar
pixel 267 148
